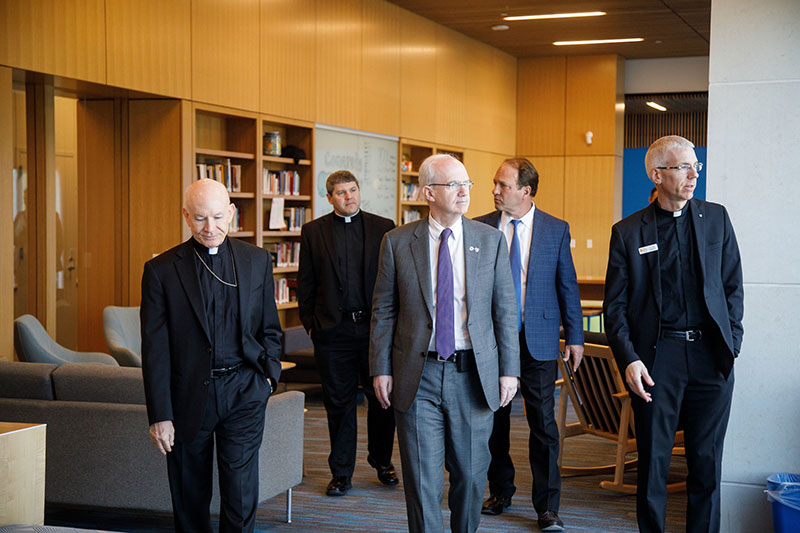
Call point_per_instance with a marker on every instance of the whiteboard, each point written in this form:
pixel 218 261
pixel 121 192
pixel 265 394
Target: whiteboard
pixel 371 157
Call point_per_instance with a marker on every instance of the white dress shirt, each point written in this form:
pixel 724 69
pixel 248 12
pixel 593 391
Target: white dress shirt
pixel 524 229
pixel 456 245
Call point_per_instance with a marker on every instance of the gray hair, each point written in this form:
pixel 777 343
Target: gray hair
pixel 427 170
pixel 657 153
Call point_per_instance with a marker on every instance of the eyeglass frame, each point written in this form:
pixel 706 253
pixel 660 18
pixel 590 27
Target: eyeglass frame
pixel 684 167
pixel 454 185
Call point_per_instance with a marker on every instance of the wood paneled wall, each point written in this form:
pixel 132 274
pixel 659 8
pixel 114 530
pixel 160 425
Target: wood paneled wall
pixel 559 99
pixel 363 64
pixel 481 167
pixel 6 206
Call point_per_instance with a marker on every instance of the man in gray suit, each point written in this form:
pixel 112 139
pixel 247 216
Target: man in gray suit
pixel 444 347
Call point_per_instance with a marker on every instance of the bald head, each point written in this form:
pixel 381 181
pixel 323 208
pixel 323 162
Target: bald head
pixel 207 210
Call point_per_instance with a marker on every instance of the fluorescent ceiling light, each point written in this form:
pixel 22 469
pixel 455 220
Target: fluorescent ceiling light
pixel 558 16
pixel 599 41
pixel 656 106
pixel 500 27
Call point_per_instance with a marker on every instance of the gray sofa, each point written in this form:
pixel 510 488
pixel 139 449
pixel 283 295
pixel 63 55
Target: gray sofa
pixel 98 450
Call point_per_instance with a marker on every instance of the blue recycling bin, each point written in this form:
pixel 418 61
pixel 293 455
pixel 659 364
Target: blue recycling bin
pixel 783 490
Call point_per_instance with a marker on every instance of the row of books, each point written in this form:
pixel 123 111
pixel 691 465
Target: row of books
pixel 288 219
pixel 285 290
pixel 411 215
pixel 235 225
pixel 411 191
pixel 284 254
pixel 281 182
pixel 223 172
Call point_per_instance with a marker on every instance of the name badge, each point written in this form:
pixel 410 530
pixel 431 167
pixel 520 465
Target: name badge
pixel 647 249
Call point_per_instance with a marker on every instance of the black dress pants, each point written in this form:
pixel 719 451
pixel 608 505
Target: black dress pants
pixel 688 387
pixel 234 415
pixel 537 380
pixel 342 357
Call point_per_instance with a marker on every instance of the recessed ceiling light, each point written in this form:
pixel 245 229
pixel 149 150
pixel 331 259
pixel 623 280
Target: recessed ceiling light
pixel 656 106
pixel 500 27
pixel 558 16
pixel 599 41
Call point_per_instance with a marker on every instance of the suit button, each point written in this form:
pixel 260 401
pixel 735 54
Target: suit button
pixel 205 382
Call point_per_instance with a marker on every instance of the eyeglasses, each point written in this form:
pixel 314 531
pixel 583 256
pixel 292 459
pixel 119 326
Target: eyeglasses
pixel 453 185
pixel 684 167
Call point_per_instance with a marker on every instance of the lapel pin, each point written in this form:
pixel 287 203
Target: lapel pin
pixel 701 215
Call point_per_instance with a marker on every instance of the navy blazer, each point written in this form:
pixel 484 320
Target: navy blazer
pixel 176 341
pixel 632 305
pixel 551 295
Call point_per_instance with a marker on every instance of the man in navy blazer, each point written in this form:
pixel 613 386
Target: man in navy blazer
pixel 673 313
pixel 547 296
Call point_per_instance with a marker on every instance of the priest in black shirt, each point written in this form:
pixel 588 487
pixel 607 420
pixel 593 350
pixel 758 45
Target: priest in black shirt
pixel 210 360
pixel 338 266
pixel 673 314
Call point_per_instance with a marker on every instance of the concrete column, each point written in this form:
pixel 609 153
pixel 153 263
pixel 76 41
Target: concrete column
pixel 753 166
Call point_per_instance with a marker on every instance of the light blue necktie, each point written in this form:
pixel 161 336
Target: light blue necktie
pixel 516 271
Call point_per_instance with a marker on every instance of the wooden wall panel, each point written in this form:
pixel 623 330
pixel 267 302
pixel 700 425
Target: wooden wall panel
pixel 417 77
pixel 589 208
pixel 6 215
pixel 154 197
pixel 501 132
pixel 225 53
pixel 289 58
pixel 452 53
pixel 550 196
pixel 339 63
pixel 61 37
pixel 149 46
pixel 591 98
pixel 541 97
pixel 380 68
pixel 481 167
pixel 97 183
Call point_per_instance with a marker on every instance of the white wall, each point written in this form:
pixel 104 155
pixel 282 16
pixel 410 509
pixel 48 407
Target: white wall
pixel 753 165
pixel 666 75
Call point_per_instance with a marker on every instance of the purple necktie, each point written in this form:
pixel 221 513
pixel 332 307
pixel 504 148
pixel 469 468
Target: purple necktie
pixel 445 330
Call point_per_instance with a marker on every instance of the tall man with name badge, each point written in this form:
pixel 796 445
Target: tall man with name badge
pixel 546 289
pixel 338 265
pixel 444 351
pixel 210 360
pixel 673 313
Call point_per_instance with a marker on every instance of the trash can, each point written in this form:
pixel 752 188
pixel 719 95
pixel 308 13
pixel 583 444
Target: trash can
pixel 783 490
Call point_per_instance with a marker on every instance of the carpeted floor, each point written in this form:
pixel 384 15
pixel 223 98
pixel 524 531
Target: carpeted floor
pixel 370 506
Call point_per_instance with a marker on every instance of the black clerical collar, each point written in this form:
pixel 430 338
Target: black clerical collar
pixel 663 213
pixel 203 249
pixel 347 220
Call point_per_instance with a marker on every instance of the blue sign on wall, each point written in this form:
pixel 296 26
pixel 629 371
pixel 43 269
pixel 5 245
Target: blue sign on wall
pixel 636 185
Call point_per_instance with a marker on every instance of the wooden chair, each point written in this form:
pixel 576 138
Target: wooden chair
pixel 598 395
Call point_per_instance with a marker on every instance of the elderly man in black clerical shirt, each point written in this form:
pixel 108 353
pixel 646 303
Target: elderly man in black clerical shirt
pixel 210 360
pixel 338 265
pixel 673 313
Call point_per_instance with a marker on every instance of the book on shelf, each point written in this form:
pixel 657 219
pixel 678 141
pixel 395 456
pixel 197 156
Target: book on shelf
pixel 284 182
pixel 285 290
pixel 234 226
pixel 276 221
pixel 411 215
pixel 411 191
pixel 222 171
pixel 284 254
pixel 294 217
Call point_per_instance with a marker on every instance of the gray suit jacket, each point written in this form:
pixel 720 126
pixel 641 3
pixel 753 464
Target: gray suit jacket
pixel 402 309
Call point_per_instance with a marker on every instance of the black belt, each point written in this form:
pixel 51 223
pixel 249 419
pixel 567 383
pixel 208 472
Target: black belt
pixel 357 316
pixel 689 335
pixel 463 359
pixel 227 371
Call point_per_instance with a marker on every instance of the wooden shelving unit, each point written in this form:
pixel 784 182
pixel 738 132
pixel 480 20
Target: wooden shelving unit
pixel 410 203
pixel 227 136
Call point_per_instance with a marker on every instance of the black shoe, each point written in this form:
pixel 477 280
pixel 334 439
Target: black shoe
pixel 386 474
pixel 339 486
pixel 495 504
pixel 550 521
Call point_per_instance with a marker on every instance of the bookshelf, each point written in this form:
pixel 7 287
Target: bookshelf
pixel 229 146
pixel 411 205
pixel 286 181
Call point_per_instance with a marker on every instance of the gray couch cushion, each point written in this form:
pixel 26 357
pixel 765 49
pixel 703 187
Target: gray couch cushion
pixel 26 380
pixel 80 382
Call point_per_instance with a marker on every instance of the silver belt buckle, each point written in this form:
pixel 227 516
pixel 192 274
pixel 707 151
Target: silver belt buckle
pixel 442 359
pixel 693 335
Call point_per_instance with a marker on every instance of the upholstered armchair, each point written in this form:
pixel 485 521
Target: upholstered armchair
pixel 122 329
pixel 34 345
